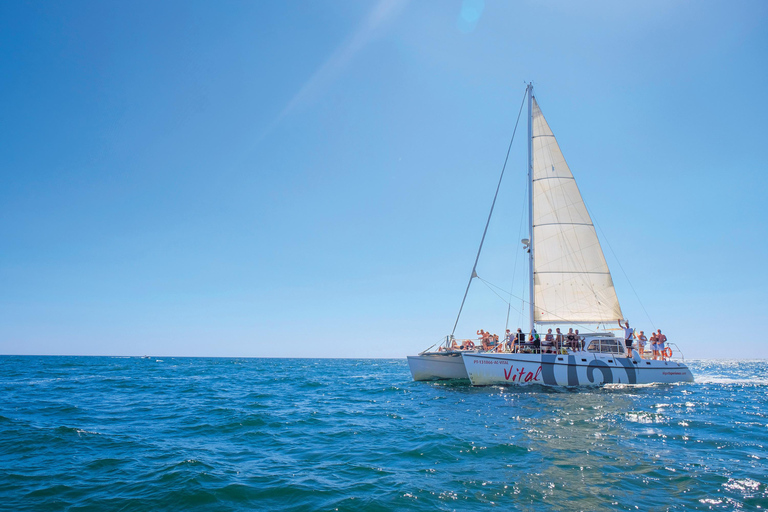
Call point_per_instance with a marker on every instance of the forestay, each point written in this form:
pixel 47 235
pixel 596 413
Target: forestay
pixel 572 282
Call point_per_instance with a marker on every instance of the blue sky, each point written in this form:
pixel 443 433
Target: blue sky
pixel 312 178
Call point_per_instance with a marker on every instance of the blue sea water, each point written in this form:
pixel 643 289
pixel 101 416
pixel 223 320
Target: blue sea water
pixel 166 434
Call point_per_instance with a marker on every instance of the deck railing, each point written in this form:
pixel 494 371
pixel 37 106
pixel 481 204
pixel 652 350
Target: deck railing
pixel 590 342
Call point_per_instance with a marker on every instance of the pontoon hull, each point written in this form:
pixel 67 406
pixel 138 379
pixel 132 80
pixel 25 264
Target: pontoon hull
pixel 572 369
pixel 437 366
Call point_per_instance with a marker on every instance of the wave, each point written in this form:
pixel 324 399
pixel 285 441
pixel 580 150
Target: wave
pixel 737 381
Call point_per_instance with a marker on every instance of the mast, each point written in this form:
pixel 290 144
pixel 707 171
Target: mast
pixel 530 201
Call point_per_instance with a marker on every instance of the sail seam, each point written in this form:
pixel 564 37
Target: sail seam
pixel 568 272
pixel 555 178
pixel 563 224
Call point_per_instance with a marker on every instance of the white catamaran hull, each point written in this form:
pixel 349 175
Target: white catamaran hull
pixel 572 369
pixel 437 366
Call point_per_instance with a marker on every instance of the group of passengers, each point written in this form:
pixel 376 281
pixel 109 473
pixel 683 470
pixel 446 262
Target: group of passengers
pixel 658 342
pixel 555 342
pixel 520 342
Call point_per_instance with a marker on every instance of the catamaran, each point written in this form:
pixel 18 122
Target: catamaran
pixel 569 284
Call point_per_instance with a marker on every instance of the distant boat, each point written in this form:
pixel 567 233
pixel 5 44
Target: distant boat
pixel 570 285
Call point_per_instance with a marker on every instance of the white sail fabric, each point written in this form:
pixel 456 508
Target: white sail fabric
pixel 572 282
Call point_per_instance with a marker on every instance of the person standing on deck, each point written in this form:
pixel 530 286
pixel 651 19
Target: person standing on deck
pixel 654 346
pixel 628 335
pixel 508 340
pixel 641 339
pixel 661 339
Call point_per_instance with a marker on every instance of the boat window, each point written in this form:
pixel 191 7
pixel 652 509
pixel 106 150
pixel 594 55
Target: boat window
pixel 605 346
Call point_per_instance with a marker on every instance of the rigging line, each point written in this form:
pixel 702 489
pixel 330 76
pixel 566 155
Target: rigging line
pixel 622 270
pixel 493 204
pixel 497 287
pixel 517 253
pixel 491 287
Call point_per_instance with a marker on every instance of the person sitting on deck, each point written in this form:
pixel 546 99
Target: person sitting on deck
pixel 660 341
pixel 548 345
pixel 519 340
pixel 493 340
pixel 571 339
pixel 558 340
pixel 628 335
pixel 536 340
pixel 454 345
pixel 641 339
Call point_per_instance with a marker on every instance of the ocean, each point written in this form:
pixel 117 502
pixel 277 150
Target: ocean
pixel 229 434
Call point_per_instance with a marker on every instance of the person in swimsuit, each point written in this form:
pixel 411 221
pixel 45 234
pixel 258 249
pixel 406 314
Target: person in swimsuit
pixel 549 342
pixel 493 342
pixel 654 346
pixel 579 341
pixel 641 339
pixel 628 335
pixel 558 340
pixel 660 341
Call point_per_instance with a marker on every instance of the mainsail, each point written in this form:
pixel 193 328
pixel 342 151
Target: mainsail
pixel 571 280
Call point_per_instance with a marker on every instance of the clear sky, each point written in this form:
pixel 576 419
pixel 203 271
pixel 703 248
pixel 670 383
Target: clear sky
pixel 313 178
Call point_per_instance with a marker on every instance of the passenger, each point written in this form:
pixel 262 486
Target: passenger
pixel 641 339
pixel 661 340
pixel 498 345
pixel 558 340
pixel 571 339
pixel 654 346
pixel 579 341
pixel 519 340
pixel 493 341
pixel 536 340
pixel 549 342
pixel 628 335
pixel 508 340
pixel 454 345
